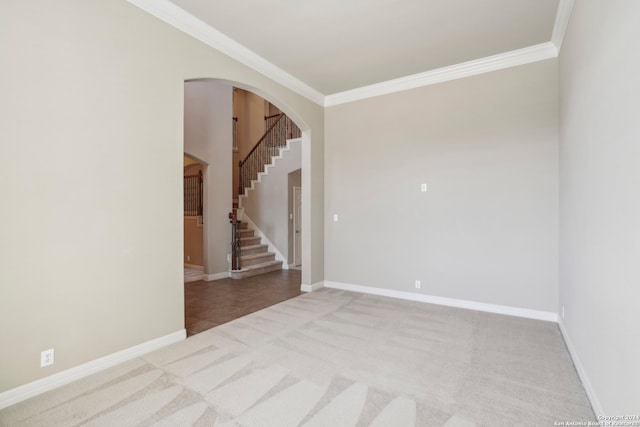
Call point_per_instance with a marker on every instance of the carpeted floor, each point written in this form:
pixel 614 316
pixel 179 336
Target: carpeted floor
pixel 333 358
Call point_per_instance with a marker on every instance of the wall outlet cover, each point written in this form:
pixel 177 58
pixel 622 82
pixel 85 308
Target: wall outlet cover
pixel 46 358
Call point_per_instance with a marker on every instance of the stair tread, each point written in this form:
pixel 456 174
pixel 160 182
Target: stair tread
pixel 261 265
pixel 249 247
pixel 259 255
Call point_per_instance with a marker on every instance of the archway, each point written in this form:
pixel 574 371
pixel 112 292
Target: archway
pixel 208 114
pixel 214 271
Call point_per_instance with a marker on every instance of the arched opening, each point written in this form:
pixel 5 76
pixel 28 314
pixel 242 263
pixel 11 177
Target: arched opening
pixel 208 135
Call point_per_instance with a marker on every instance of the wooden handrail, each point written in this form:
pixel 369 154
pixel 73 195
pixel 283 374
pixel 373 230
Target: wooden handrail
pixel 275 138
pixel 235 242
pixel 242 162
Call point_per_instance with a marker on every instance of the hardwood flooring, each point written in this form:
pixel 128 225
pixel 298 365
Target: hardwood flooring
pixel 209 304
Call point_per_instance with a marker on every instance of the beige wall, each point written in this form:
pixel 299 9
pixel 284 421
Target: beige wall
pixel 193 238
pixel 600 207
pixel 189 162
pixel 208 137
pixel 250 110
pixel 94 266
pixel 487 228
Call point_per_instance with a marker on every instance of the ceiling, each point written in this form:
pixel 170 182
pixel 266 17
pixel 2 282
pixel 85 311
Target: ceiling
pixel 326 49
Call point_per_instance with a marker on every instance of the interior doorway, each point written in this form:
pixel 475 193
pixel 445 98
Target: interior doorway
pixel 219 123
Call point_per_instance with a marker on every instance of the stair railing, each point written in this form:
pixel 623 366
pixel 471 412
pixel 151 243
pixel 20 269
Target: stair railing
pixel 280 129
pixel 193 189
pixel 235 133
pixel 235 242
pixel 270 120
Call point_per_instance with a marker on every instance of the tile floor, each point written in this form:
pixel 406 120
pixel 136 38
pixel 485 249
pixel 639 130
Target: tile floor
pixel 209 304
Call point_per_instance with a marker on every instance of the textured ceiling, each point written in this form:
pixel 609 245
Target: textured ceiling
pixel 338 45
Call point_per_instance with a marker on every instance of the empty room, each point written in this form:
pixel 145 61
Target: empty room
pixel 467 209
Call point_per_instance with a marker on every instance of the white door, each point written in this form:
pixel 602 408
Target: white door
pixel 297 226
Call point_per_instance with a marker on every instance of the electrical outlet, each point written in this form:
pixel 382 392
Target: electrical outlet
pixel 423 187
pixel 335 217
pixel 188 257
pixel 418 284
pixel 46 358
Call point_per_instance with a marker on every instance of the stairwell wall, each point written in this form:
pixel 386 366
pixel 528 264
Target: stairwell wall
pixel 486 230
pixel 208 109
pixel 268 204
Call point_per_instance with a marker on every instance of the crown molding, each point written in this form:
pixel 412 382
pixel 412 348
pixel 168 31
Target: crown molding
pixel 177 17
pixel 513 58
pixel 187 23
pixel 562 21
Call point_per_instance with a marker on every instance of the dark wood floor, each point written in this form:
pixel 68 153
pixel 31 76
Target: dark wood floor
pixel 209 304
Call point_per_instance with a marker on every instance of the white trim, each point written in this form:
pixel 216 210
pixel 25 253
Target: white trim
pixel 194 266
pixel 450 302
pixel 297 220
pixel 513 58
pixel 177 17
pixel 562 21
pixel 182 20
pixel 311 288
pixel 272 248
pixel 582 373
pixel 216 276
pixel 26 391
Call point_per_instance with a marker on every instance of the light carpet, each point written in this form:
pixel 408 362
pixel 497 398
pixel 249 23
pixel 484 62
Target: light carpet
pixel 334 358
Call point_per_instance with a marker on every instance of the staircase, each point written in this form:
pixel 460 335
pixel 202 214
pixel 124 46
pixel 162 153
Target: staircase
pixel 250 257
pixel 254 257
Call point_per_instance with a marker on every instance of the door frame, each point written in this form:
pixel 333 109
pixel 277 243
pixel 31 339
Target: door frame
pixel 297 226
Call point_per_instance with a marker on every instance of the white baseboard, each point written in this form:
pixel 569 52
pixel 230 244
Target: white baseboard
pixel 216 276
pixel 582 373
pixel 310 288
pixel 450 302
pixel 26 391
pixel 194 266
